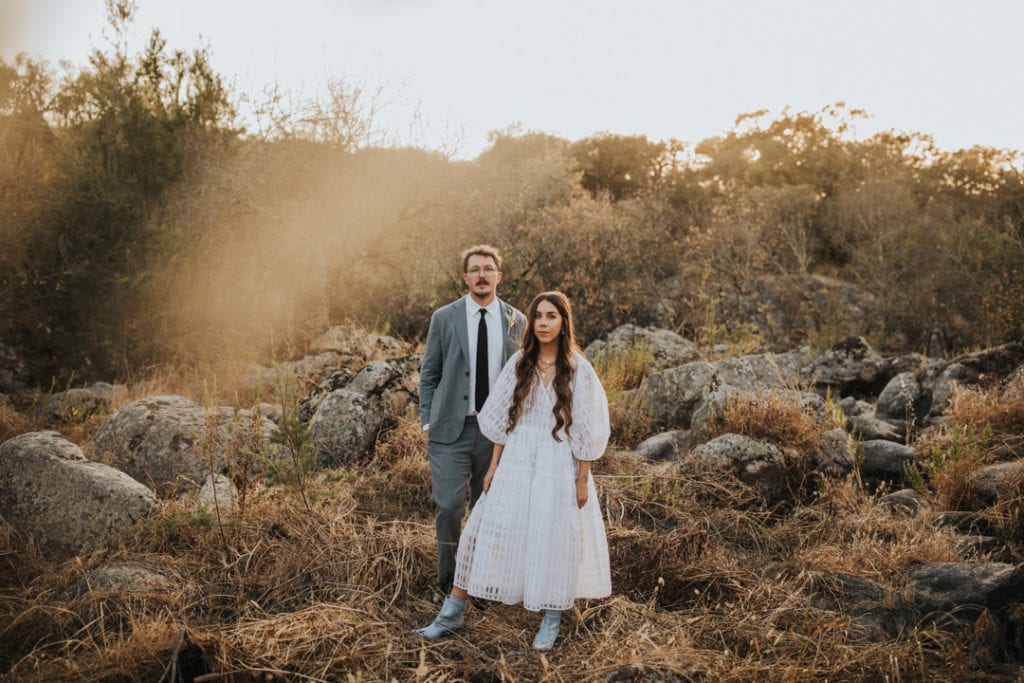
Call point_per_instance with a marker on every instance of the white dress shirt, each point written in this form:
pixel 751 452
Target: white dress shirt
pixel 494 344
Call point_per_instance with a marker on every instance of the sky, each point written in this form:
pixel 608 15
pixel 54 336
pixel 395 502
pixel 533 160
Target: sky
pixel 454 70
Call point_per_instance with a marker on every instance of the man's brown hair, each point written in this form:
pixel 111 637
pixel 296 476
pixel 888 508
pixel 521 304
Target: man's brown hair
pixel 481 250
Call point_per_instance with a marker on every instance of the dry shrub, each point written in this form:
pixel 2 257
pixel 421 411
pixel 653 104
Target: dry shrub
pixel 621 372
pixel 1002 417
pixel 13 423
pixel 771 417
pixel 629 424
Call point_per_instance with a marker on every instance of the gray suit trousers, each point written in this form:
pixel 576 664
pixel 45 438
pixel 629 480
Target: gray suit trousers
pixel 453 468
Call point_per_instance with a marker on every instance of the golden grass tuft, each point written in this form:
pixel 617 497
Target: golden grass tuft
pixel 1001 417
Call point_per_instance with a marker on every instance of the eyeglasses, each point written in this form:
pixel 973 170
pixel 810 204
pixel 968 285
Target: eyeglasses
pixel 486 270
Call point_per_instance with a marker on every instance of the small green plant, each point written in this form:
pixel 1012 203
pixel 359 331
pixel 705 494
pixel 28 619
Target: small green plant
pixel 953 464
pixel 297 439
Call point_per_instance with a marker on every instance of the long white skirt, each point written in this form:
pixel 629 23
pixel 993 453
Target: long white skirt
pixel 526 541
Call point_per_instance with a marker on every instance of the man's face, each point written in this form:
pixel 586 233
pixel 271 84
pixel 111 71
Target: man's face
pixel 482 276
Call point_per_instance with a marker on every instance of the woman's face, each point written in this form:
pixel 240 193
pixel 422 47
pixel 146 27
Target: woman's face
pixel 547 323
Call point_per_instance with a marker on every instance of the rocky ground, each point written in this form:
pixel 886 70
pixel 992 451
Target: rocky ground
pixel 792 516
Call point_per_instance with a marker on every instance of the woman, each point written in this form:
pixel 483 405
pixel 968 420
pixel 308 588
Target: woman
pixel 536 535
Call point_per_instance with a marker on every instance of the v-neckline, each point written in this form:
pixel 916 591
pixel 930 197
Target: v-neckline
pixel 541 378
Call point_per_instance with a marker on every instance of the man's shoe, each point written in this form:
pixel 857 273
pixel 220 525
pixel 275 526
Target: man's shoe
pixel 450 618
pixel 547 634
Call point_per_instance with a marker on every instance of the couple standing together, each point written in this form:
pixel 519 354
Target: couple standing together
pixel 514 413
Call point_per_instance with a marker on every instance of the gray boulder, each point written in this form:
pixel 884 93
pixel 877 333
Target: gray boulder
pixel 900 397
pixel 758 371
pixel 965 589
pixel 953 374
pixel 853 407
pixel 850 367
pixel 833 455
pixel 869 428
pixel 50 491
pixel 130 577
pixel 669 349
pixel 1013 385
pixel 905 502
pixel 990 548
pixel 670 396
pixel 885 458
pixel 345 427
pixel 1001 480
pixel 875 612
pixel 964 522
pixel 218 496
pixel 664 446
pixel 303 371
pixel 994 363
pixel 346 422
pixel 356 342
pixel 74 403
pixel 757 463
pixel 170 441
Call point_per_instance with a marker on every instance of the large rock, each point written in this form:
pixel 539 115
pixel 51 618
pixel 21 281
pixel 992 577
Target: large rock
pixel 905 502
pixel 338 348
pixel 758 463
pixel 664 446
pixel 346 422
pixel 50 491
pixel 900 399
pixel 1002 480
pixel 170 442
pixel 833 455
pixel 870 428
pixel 966 589
pixel 764 370
pixel 669 349
pixel 885 458
pixel 1013 385
pixel 356 342
pixel 75 403
pixel 875 612
pixel 994 363
pixel 670 396
pixel 952 375
pixel 850 367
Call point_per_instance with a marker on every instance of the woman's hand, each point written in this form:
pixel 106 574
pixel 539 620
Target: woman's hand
pixel 581 492
pixel 487 478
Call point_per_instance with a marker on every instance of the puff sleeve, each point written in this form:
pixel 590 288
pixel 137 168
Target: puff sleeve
pixel 493 417
pixel 590 429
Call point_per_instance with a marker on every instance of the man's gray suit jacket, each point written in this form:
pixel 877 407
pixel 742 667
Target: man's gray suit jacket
pixel 444 370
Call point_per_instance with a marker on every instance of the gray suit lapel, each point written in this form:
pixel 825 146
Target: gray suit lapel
pixel 461 327
pixel 506 315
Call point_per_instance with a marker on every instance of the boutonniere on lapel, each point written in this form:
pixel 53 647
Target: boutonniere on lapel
pixel 510 318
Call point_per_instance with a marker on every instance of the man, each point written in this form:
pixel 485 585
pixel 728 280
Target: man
pixel 468 343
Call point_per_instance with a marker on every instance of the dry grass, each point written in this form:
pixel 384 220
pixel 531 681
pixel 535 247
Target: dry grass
pixel 708 586
pixel 621 373
pixel 1002 419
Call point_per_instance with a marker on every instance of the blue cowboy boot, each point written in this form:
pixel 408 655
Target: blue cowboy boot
pixel 544 641
pixel 449 619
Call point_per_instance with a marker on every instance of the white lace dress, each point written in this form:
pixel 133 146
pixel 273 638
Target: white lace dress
pixel 526 541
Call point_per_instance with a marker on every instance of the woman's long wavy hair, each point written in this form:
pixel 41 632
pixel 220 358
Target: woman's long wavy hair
pixel 526 368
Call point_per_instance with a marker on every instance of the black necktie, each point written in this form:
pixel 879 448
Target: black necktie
pixel 481 361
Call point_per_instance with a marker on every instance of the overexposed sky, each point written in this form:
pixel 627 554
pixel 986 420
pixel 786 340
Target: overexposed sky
pixel 666 69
